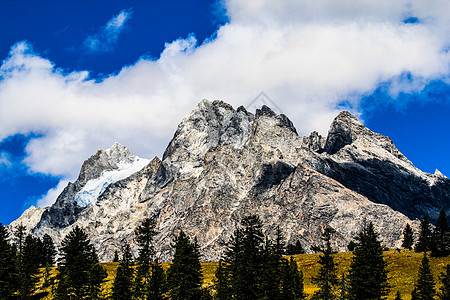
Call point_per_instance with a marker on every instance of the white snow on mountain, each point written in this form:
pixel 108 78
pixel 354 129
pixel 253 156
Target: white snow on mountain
pixel 95 187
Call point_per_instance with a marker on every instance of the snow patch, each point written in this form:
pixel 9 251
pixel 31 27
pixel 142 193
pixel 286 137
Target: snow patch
pixel 95 187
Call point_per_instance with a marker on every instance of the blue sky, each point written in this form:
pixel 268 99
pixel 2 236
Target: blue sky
pixel 76 77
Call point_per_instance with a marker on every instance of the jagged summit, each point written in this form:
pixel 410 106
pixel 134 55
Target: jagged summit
pixel 224 163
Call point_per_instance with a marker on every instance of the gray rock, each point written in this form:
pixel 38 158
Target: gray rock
pixel 223 164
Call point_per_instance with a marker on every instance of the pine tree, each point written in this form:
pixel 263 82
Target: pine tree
pixel 280 241
pixel 116 256
pixel 270 280
pixel 223 281
pixel 122 286
pixel 294 249
pixel 327 279
pixel 398 296
pixel 29 262
pixel 441 237
pixel 408 237
pixel 184 276
pixel 157 285
pixel 425 282
pixel 48 251
pixel 444 291
pixel 77 259
pixel 414 295
pixel 96 276
pixel 144 233
pixel 291 280
pixel 425 238
pixel 368 274
pixel 8 271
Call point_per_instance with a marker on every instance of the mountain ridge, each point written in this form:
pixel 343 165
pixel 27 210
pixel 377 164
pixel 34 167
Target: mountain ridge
pixel 222 164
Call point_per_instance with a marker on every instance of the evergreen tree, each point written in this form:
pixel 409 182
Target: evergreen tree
pixel 368 274
pixel 8 271
pixel 269 287
pixel 144 233
pixel 414 295
pixel 157 286
pixel 96 276
pixel 116 256
pixel 29 261
pixel 184 276
pixel 223 281
pixel 253 268
pixel 327 279
pixel 76 266
pixel 425 282
pixel 291 280
pixel 48 251
pixel 398 296
pixel 441 237
pixel 294 249
pixel 122 286
pixel 280 241
pixel 444 291
pixel 425 238
pixel 408 237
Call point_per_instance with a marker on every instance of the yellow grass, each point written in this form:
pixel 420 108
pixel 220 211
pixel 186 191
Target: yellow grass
pixel 402 267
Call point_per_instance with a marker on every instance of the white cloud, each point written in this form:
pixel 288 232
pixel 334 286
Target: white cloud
pixel 5 160
pixel 106 38
pixel 52 194
pixel 308 56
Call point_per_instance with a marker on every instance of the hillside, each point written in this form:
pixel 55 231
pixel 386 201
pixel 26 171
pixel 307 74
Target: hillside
pixel 402 267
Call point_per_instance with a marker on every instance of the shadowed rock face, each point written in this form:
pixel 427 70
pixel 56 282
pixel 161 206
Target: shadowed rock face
pixel 223 164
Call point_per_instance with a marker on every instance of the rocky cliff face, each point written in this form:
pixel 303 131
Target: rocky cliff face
pixel 223 164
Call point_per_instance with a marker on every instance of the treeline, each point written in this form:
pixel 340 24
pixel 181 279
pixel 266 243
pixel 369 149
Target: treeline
pixel 253 266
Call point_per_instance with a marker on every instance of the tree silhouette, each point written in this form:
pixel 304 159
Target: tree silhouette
pixel 408 237
pixel 425 282
pixel 368 274
pixel 184 276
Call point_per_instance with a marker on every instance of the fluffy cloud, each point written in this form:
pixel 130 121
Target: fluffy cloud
pixel 309 57
pixel 108 35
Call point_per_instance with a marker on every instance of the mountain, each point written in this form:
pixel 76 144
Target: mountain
pixel 225 163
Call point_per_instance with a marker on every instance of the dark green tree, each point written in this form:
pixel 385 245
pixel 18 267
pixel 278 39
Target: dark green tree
pixel 425 238
pixel 116 256
pixel 444 291
pixel 48 251
pixel 368 275
pixel 29 262
pixel 414 295
pixel 122 286
pixel 253 268
pixel 96 276
pixel 157 285
pixel 8 271
pixel 398 296
pixel 280 242
pixel 291 280
pixel 184 276
pixel 408 237
pixel 293 249
pixel 223 281
pixel 75 265
pixel 425 282
pixel 327 279
pixel 144 234
pixel 441 237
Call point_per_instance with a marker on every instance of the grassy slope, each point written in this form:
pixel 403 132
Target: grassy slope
pixel 402 269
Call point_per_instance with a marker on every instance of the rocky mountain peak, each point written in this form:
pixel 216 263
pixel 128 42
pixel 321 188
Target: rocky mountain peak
pixel 105 160
pixel 343 131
